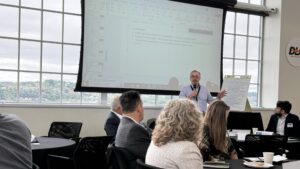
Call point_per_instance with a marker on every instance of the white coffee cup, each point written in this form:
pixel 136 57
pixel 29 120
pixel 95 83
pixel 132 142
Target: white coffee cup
pixel 254 130
pixel 268 157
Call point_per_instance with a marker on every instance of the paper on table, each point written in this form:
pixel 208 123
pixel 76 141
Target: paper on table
pixel 293 139
pixel 265 133
pixel 279 158
pixel 276 158
pixel 291 165
pixel 253 159
pixel 215 166
pixel 34 139
pixel 241 134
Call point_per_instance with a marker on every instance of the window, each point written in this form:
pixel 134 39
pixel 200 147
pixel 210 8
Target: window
pixel 242 48
pixel 40 45
pixel 39 54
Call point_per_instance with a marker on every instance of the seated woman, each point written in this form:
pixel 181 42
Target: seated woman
pixel 175 136
pixel 215 143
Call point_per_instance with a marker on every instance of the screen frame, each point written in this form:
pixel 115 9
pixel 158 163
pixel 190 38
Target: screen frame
pixel 80 88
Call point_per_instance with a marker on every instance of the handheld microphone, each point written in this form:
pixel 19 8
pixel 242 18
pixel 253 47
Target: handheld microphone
pixel 194 86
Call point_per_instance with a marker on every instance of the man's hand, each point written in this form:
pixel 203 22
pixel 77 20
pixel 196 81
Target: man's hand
pixel 221 94
pixel 193 94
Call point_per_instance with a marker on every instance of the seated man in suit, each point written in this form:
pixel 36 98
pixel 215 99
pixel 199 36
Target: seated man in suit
pixel 114 117
pixel 131 135
pixel 15 143
pixel 283 122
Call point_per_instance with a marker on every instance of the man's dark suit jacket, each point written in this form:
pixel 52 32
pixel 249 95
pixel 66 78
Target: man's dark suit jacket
pixel 111 124
pixel 291 127
pixel 134 138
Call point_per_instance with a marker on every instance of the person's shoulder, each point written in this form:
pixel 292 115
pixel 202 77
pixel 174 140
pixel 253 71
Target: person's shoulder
pixel 127 120
pixel 14 122
pixel 11 118
pixel 182 146
pixel 185 87
pixel 187 144
pixel 273 116
pixel 128 124
pixel 112 115
pixel 294 116
pixel 138 128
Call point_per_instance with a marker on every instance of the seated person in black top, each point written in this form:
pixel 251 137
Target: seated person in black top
pixel 131 135
pixel 283 122
pixel 215 144
pixel 114 117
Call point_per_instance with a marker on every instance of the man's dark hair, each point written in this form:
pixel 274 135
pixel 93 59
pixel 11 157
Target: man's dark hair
pixel 130 100
pixel 284 105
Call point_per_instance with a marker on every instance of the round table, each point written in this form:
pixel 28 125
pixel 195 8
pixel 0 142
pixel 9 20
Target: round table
pixel 47 145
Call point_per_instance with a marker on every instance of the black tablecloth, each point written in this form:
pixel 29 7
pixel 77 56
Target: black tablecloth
pixel 238 164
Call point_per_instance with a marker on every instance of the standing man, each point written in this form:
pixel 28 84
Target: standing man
pixel 283 122
pixel 114 118
pixel 198 93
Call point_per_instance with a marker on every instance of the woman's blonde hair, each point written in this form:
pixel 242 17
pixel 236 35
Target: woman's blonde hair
pixel 179 120
pixel 215 120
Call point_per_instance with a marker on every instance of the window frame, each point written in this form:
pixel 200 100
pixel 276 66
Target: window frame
pixel 103 97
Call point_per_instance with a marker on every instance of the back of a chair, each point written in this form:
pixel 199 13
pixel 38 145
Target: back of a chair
pixel 255 145
pixel 120 158
pixel 151 123
pixel 141 165
pixel 34 166
pixel 91 152
pixel 244 120
pixel 68 130
pixel 239 150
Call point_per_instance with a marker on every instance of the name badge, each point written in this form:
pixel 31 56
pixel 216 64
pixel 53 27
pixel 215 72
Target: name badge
pixel 290 125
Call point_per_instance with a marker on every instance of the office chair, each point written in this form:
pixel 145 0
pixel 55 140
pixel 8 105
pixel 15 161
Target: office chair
pixel 120 158
pixel 68 130
pixel 244 120
pixel 90 153
pixel 255 145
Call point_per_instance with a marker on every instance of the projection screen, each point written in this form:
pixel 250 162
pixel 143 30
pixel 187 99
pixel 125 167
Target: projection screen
pixel 148 45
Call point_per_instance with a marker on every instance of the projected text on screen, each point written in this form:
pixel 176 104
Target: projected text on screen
pixel 150 44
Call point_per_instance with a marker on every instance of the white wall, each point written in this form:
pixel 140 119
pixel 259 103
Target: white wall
pixel 270 58
pixel 39 118
pixel 280 80
pixel 289 76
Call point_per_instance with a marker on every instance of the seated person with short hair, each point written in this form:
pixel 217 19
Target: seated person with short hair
pixel 175 137
pixel 283 122
pixel 131 135
pixel 15 143
pixel 114 117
